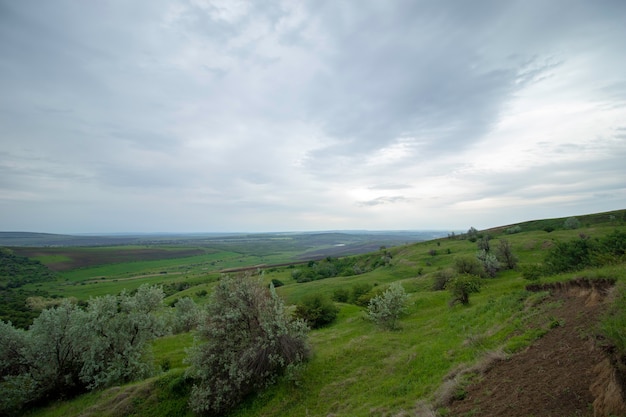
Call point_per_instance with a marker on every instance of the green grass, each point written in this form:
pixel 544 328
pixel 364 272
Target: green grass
pixel 357 369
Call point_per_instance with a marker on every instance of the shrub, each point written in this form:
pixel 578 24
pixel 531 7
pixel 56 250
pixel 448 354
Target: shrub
pixel 277 283
pixel 341 295
pixel 441 279
pixel 462 286
pixel 472 234
pixel 532 272
pixel 490 263
pixel 248 341
pixel 570 256
pixel 468 265
pixel 186 315
pixel 358 291
pixel 385 309
pixel 571 223
pixel 317 311
pixel 505 255
pixel 512 230
pixel 483 244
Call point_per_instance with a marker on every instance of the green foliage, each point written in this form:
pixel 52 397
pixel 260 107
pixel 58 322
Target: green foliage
pixel 505 255
pixel 341 295
pixel 277 283
pixel 120 329
pixel 248 341
pixel 532 272
pixel 570 256
pixel 489 262
pixel 441 279
pixel 483 243
pixel 16 272
pixel 470 266
pixel 571 223
pixel 462 286
pixel 186 315
pixel 68 350
pixel 345 267
pixel 514 229
pixel 359 294
pixel 386 309
pixel 613 326
pixel 317 311
pixel 472 234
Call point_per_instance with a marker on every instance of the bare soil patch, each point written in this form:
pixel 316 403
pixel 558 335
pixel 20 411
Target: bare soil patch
pixel 553 376
pixel 89 257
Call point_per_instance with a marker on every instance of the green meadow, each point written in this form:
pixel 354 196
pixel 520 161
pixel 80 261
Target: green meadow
pixel 358 369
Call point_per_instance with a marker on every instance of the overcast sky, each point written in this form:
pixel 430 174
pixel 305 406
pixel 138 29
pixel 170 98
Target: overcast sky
pixel 234 115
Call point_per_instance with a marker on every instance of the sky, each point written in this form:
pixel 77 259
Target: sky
pixel 253 116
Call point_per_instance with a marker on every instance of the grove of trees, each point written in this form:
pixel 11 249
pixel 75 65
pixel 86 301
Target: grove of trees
pixel 69 350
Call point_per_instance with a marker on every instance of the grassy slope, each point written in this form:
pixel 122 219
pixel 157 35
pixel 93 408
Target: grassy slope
pixel 360 370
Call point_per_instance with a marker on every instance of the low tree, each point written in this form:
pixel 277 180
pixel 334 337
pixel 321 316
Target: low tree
pixel 483 243
pixel 571 223
pixel 17 387
pixel 505 255
pixel 489 262
pixel 68 350
pixel 248 340
pixel 387 308
pixel 469 265
pixel 57 342
pixel 472 234
pixel 441 279
pixel 317 311
pixel 462 286
pixel 120 329
pixel 186 315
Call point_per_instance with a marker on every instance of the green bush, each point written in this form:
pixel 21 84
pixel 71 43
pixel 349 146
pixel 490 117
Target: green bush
pixel 469 265
pixel 570 256
pixel 532 272
pixel 571 223
pixel 441 279
pixel 462 286
pixel 358 291
pixel 489 262
pixel 341 295
pixel 385 309
pixel 317 311
pixel 248 340
pixel 505 254
pixel 512 230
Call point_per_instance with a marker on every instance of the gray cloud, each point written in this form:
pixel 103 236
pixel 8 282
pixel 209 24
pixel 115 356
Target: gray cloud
pixel 308 115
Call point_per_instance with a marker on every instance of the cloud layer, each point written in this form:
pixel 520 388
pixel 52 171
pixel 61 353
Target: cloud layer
pixel 224 115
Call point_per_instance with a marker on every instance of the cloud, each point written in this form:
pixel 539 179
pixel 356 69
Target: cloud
pixel 202 114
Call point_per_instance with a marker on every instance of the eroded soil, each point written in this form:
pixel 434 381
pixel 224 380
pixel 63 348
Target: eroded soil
pixel 550 378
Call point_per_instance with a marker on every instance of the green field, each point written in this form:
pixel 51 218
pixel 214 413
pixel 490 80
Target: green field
pixel 357 369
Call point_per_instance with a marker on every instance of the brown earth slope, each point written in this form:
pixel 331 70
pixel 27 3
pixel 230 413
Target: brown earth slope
pixel 554 376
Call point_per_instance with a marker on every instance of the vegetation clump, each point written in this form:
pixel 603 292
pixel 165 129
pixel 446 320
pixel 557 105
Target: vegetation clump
pixel 248 340
pixel 317 311
pixel 462 286
pixel 386 309
pixel 68 350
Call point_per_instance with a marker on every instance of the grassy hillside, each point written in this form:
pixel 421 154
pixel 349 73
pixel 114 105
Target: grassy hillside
pixel 358 369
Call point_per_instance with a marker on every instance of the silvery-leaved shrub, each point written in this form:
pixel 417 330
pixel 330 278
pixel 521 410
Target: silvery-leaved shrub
pixel 246 341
